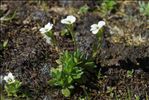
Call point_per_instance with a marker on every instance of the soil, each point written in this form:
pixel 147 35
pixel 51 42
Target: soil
pixel 30 58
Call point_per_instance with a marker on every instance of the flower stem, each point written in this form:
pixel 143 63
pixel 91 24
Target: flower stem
pixel 70 29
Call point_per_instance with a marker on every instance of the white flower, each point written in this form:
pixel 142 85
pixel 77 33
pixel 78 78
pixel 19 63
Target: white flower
pixel 68 20
pixel 96 27
pixel 9 78
pixel 46 28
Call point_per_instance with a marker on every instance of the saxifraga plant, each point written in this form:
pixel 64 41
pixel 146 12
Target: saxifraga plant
pixel 71 67
pixel 107 6
pixel 144 8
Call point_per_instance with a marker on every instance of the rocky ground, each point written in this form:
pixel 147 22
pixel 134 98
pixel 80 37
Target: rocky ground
pixel 30 58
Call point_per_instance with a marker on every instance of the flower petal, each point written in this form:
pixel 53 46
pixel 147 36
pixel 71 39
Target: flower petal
pixel 68 20
pixel 9 78
pixel 6 78
pixel 101 24
pixel 10 75
pixel 94 27
pixel 95 31
pixel 64 21
pixel 48 26
pixel 71 18
pixel 42 30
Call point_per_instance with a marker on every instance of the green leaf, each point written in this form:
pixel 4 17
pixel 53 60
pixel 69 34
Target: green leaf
pixel 49 34
pixel 77 76
pixel 11 89
pixel 64 32
pixel 66 92
pixel 89 63
pixel 69 79
pixel 17 84
pixel 75 60
pixel 84 9
pixel 5 43
pixel 51 82
pixel 71 87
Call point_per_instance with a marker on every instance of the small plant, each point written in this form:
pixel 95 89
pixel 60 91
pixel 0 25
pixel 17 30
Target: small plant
pixel 110 91
pixel 83 10
pixel 144 8
pixel 107 6
pixel 5 43
pixel 97 29
pixel 48 34
pixel 70 68
pixel 130 73
pixel 8 16
pixel 68 21
pixel 137 97
pixel 3 46
pixel 12 86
